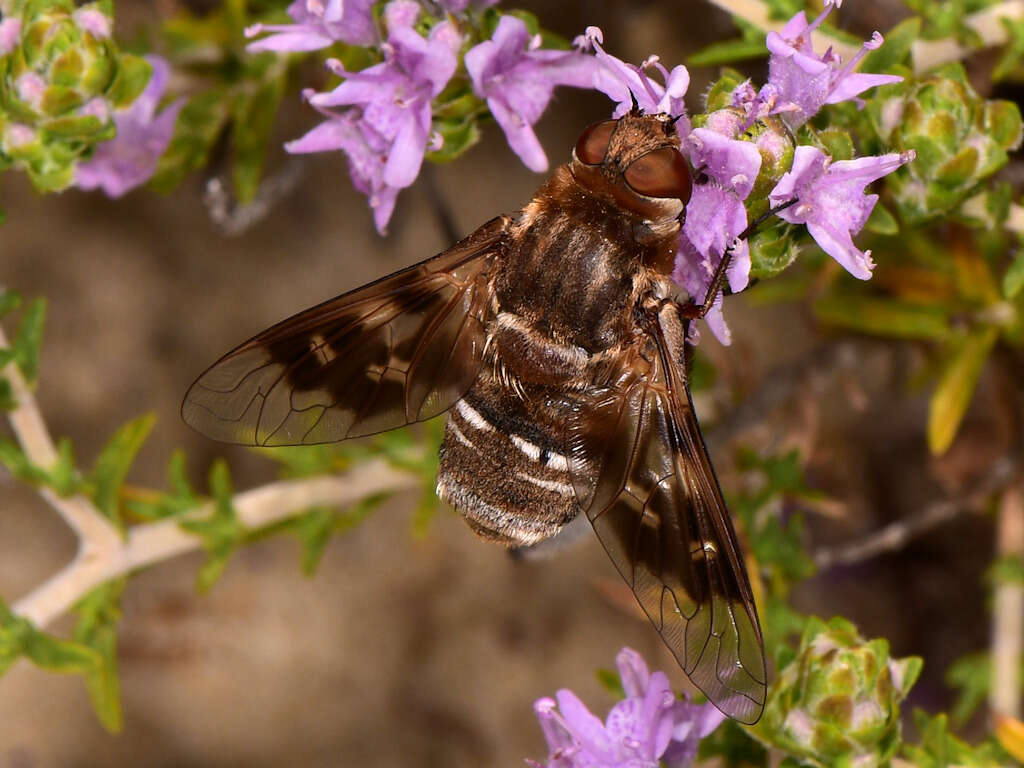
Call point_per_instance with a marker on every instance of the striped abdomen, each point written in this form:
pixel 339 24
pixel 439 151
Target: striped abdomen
pixel 503 464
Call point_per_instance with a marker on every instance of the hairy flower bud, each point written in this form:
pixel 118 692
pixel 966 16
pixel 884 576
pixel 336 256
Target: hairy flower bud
pixel 837 702
pixel 62 78
pixel 960 139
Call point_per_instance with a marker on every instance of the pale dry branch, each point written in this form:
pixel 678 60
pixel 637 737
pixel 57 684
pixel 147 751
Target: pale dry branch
pixel 896 535
pixel 1008 610
pixel 96 534
pixel 151 543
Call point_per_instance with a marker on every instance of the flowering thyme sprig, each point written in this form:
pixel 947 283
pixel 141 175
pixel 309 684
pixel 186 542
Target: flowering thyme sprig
pixel 650 727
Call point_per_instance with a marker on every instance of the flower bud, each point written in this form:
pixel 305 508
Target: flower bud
pixel 62 75
pixel 960 139
pixel 837 702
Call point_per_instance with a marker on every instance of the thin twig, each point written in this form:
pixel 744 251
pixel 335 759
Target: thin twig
pixel 95 533
pixel 231 218
pixel 1008 610
pixel 150 543
pixel 896 535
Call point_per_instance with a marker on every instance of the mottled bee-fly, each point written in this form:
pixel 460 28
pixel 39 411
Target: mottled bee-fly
pixel 553 340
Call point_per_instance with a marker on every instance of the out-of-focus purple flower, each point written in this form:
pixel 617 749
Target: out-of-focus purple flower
pixel 384 126
pixel 715 215
pixel 831 200
pixel 648 726
pixel 801 82
pixel 517 78
pixel 10 34
pixel 618 80
pixel 318 24
pixel 129 159
pixel 458 6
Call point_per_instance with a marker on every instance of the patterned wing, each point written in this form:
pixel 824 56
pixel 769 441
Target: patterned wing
pixel 642 474
pixel 399 350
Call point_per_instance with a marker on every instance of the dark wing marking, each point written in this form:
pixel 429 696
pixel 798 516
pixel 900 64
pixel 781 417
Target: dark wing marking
pixel 642 474
pixel 399 350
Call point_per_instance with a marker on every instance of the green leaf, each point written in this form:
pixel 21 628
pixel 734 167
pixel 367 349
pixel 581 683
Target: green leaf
pixel 12 457
pixel 178 499
pixel 253 116
pixel 314 529
pixel 9 301
pixel 133 74
pixel 941 749
pixel 609 680
pixel 115 460
pixel 30 337
pixel 956 388
pixel 7 402
pixel 881 222
pixel 728 52
pixel 99 613
pixel 199 123
pixel 221 532
pixel 884 317
pixel 972 676
pixel 734 747
pixel 896 48
pixel 1013 280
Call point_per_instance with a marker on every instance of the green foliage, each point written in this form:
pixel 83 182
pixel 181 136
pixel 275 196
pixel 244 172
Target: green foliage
pixel 732 745
pixel 750 45
pixel 972 676
pixel 98 615
pixel 941 749
pixel 113 463
pixel 956 386
pixel 220 531
pixel 177 500
pixel 837 702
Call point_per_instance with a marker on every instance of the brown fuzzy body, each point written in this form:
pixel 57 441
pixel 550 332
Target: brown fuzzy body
pixel 563 313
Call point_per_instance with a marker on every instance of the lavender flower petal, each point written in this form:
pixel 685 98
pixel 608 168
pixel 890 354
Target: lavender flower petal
pixel 517 79
pixel 318 24
pixel 129 159
pixel 831 200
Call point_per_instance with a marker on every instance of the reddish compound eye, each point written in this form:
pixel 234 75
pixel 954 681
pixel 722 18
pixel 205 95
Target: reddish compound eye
pixel 660 173
pixel 593 143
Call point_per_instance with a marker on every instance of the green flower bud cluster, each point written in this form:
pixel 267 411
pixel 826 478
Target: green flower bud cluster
pixel 837 702
pixel 61 78
pixel 960 139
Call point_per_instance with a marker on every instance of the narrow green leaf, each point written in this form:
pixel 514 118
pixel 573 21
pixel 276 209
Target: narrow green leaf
pixel 956 388
pixel 12 457
pixel 221 532
pixel 30 337
pixel 57 655
pixel 728 52
pixel 884 317
pixel 882 222
pixel 254 115
pixel 99 613
pixel 14 632
pixel 9 301
pixel 7 402
pixel 200 122
pixel 115 460
pixel 64 477
pixel 972 676
pixel 314 529
pixel 1013 280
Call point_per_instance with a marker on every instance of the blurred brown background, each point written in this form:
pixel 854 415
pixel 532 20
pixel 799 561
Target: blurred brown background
pixel 402 651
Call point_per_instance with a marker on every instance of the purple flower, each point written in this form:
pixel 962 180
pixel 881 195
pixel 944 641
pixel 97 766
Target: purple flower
pixel 801 82
pixel 93 21
pixel 648 726
pixel 458 6
pixel 623 82
pixel 517 78
pixel 129 159
pixel 715 215
pixel 318 24
pixel 385 125
pixel 831 200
